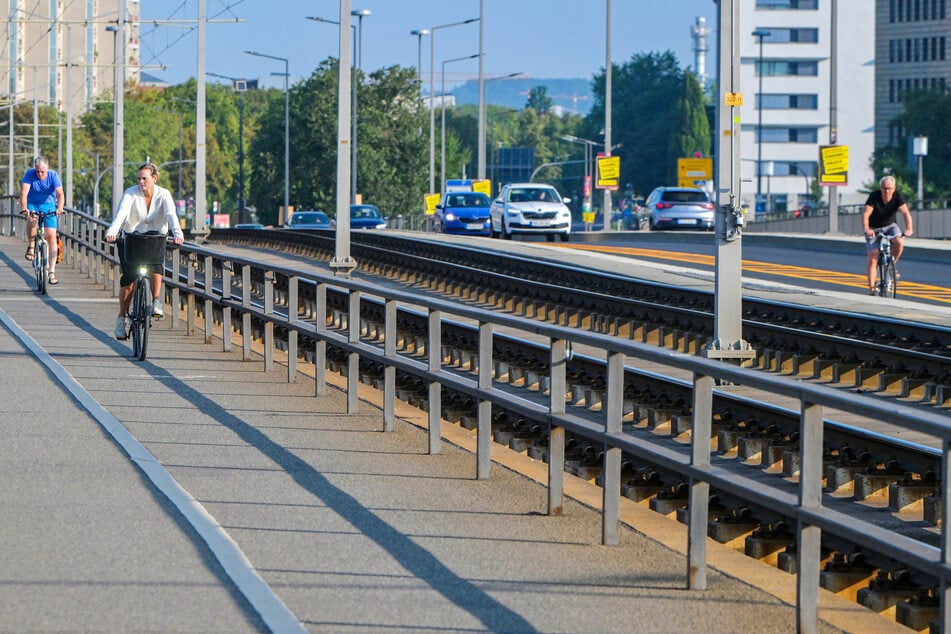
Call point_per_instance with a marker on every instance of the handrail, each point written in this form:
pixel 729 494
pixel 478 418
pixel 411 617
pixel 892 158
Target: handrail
pixel 208 282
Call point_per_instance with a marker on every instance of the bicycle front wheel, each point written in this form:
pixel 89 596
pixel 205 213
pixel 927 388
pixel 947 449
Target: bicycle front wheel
pixel 889 280
pixel 41 265
pixel 140 317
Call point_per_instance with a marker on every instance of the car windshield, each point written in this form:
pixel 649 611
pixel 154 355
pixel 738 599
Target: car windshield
pixel 309 218
pixel 467 200
pixel 365 211
pixel 684 197
pixel 536 194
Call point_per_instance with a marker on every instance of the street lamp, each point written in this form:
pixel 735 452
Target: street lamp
pixel 442 185
pixel 760 33
pixel 589 146
pixel 485 150
pixel 353 94
pixel 419 33
pixel 239 86
pixel 432 103
pixel 118 146
pixel 287 130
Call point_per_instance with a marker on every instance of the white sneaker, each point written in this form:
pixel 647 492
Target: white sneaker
pixel 122 331
pixel 158 309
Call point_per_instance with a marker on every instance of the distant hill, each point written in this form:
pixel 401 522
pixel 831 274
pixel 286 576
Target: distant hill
pixel 573 95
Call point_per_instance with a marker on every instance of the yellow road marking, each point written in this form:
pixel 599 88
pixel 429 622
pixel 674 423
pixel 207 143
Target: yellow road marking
pixel 907 289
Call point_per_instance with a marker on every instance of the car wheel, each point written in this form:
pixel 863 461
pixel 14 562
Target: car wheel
pixel 565 237
pixel 550 237
pixel 506 234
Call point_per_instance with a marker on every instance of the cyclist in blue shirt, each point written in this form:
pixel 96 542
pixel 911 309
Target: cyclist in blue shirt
pixel 42 190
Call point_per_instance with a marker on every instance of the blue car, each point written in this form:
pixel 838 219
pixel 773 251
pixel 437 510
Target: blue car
pixel 310 220
pixel 464 212
pixel 366 217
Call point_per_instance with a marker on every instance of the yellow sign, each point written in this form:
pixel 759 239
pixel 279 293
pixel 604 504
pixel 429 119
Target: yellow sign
pixel 692 172
pixel 483 187
pixel 431 201
pixel 609 172
pixel 834 165
pixel 734 99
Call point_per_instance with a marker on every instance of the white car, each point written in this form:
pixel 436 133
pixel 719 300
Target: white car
pixel 527 208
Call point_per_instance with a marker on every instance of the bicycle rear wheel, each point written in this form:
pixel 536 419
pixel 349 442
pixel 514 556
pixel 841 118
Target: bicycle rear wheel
pixel 141 316
pixel 41 265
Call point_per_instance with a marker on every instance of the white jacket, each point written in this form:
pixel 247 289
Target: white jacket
pixel 132 216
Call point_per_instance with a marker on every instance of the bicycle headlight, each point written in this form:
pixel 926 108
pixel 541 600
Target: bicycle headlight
pixel 143 270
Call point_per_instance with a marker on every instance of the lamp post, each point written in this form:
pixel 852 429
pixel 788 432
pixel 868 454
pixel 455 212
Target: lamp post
pixel 287 130
pixel 760 33
pixel 419 33
pixel 357 46
pixel 239 86
pixel 432 103
pixel 607 108
pixel 118 129
pixel 589 146
pixel 442 184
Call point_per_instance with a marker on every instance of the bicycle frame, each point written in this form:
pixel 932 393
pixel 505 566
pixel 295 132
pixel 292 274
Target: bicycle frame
pixel 41 252
pixel 887 276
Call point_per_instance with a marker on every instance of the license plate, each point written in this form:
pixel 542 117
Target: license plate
pixel 538 223
pixel 686 221
pixel 474 226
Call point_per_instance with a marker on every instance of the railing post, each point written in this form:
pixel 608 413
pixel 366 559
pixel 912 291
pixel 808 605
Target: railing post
pixel 945 590
pixel 176 278
pixel 353 358
pixel 320 345
pixel 611 485
pixel 434 352
pixel 227 323
pixel 246 312
pixel 484 415
pixel 809 537
pixel 209 301
pixel 699 495
pixel 292 308
pixel 268 320
pixel 389 371
pixel 556 433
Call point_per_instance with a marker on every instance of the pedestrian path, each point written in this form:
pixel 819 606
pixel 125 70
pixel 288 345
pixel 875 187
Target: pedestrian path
pixel 197 492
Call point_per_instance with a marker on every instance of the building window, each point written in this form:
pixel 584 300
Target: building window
pixel 803 5
pixel 779 35
pixel 788 102
pixel 794 168
pixel 781 68
pixel 789 135
pixel 891 91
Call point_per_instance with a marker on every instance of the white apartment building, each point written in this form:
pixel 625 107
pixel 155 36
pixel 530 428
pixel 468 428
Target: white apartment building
pixel 790 58
pixel 912 39
pixel 45 39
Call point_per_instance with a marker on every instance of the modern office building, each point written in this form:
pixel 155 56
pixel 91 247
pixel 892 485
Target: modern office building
pixel 911 53
pixel 788 50
pixel 44 40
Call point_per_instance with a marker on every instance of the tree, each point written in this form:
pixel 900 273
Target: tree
pixel 693 132
pixel 538 100
pixel 645 91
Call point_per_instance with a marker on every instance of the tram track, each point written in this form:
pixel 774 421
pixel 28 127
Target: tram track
pixel 891 483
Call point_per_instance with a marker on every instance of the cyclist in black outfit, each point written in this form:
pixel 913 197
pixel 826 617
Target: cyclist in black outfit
pixel 881 211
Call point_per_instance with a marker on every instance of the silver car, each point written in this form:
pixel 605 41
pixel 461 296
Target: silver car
pixel 680 208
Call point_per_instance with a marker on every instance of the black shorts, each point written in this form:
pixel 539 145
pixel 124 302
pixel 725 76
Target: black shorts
pixel 141 249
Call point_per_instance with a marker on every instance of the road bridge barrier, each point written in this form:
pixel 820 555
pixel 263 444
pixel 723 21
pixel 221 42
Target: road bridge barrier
pixel 206 285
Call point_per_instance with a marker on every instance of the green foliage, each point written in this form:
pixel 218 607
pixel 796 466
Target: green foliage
pixel 693 133
pixel 926 113
pixel 644 118
pixel 538 100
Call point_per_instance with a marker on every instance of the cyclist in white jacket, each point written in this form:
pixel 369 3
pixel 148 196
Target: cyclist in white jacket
pixel 143 209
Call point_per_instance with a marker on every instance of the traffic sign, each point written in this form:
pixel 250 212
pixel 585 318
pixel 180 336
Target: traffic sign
pixel 834 165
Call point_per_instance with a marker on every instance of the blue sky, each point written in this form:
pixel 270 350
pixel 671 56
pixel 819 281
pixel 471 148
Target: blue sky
pixel 541 38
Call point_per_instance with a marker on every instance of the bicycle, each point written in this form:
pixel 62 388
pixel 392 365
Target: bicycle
pixel 41 251
pixel 887 274
pixel 144 251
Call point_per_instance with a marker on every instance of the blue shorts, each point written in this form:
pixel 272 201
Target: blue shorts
pixel 892 231
pixel 49 221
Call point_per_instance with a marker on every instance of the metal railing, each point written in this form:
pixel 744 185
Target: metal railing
pixel 210 286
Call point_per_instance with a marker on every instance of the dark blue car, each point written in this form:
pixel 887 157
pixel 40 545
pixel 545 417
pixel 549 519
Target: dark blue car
pixel 464 212
pixel 366 217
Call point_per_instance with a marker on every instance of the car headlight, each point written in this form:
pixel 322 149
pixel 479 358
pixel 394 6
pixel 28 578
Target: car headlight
pixel 450 216
pixel 512 211
pixel 382 225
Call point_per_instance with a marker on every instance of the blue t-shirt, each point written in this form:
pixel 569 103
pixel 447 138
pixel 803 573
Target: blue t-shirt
pixel 42 192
